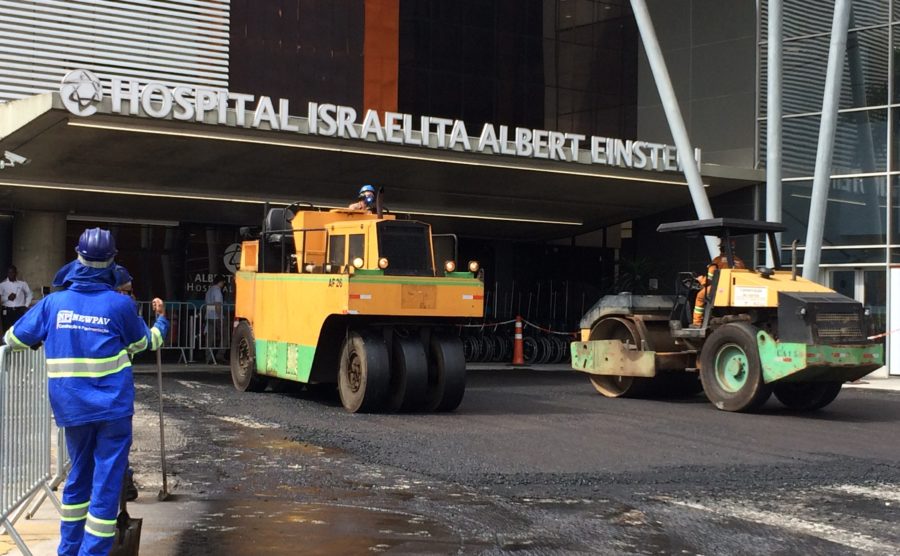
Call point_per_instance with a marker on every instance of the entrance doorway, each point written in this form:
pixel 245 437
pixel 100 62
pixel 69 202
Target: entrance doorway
pixel 868 286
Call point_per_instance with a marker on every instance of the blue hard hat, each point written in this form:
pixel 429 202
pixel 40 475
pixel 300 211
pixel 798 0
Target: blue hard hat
pixel 96 248
pixel 367 189
pixel 123 277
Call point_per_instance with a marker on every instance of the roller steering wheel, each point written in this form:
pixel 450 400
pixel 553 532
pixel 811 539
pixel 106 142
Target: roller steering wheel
pixel 689 281
pixel 294 207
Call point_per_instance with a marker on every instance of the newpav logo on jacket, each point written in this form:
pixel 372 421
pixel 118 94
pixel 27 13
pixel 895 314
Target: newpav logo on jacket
pixel 71 319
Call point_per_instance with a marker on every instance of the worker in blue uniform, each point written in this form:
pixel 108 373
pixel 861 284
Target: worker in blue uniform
pixel 89 331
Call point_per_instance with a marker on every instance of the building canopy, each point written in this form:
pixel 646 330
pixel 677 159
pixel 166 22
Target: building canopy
pixel 110 164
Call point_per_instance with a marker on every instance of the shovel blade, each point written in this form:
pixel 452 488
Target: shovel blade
pixel 128 539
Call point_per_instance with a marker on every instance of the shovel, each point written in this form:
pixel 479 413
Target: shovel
pixel 128 530
pixel 164 493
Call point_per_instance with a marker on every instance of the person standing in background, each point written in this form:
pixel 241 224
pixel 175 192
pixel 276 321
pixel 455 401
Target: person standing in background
pixel 16 297
pixel 214 321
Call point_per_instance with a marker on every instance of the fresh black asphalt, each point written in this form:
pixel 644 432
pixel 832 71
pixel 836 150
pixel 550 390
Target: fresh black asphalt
pixel 531 462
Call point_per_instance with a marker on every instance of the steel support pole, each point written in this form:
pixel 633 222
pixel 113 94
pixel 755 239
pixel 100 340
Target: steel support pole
pixel 822 176
pixel 774 85
pixel 674 117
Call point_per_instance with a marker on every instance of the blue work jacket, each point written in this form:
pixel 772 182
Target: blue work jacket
pixel 89 332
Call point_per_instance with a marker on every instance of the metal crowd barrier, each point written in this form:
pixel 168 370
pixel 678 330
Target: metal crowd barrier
pixel 24 435
pixel 63 465
pixel 215 333
pixel 191 330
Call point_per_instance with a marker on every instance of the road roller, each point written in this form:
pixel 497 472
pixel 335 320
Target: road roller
pixel 764 331
pixel 352 299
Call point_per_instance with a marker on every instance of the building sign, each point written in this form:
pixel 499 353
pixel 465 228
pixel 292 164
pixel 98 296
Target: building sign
pixel 79 91
pixel 199 282
pixel 232 257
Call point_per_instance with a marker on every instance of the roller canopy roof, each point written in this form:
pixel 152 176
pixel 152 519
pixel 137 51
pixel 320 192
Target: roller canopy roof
pixel 720 226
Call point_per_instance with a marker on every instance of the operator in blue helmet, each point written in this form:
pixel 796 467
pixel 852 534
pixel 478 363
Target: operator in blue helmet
pixel 366 198
pixel 89 331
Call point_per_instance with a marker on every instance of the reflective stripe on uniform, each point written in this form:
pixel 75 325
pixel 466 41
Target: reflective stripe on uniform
pixel 12 341
pixel 86 366
pixel 698 310
pixel 138 346
pixel 156 339
pixel 100 527
pixel 74 512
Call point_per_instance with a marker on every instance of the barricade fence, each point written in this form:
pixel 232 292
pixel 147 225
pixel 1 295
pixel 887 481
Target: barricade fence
pixel 24 434
pixel 214 339
pixel 195 328
pixel 61 471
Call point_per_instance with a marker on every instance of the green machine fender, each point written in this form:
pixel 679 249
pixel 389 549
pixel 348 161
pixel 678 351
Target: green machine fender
pixel 817 362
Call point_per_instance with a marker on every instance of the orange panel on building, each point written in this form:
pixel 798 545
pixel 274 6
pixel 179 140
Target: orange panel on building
pixel 381 55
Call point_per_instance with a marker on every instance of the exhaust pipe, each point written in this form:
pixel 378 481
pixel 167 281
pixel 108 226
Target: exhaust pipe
pixel 794 260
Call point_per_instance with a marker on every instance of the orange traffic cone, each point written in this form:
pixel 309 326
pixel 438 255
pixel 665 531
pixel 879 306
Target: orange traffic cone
pixel 518 352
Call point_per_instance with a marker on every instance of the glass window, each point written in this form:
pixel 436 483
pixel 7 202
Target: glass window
pixel 357 247
pixel 833 255
pixel 859 144
pixel 875 298
pixel 336 249
pixel 512 56
pixel 855 215
pixel 895 212
pixel 805 17
pixel 873 255
pixel 865 72
pixel 844 282
pixel 407 248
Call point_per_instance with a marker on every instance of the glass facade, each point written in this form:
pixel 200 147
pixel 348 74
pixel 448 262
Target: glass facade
pixel 859 228
pixel 566 65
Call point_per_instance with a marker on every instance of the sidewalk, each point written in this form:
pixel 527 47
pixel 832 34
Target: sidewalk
pixel 162 526
pixel 876 383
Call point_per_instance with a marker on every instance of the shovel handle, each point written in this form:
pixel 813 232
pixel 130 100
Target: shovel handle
pixel 162 425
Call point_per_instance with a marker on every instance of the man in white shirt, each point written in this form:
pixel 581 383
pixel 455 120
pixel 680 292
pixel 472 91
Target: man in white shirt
pixel 15 296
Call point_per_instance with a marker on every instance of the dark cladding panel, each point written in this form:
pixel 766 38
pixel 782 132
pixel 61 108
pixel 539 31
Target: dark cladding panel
pixel 301 50
pixel 521 63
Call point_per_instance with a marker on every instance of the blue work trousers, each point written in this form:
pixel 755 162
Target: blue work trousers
pixel 99 454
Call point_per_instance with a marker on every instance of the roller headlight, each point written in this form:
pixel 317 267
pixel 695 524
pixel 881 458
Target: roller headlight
pixel 309 267
pixel 358 262
pixel 383 263
pixel 450 266
pixel 474 266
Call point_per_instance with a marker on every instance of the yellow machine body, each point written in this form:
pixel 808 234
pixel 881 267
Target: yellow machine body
pixel 290 311
pixel 745 288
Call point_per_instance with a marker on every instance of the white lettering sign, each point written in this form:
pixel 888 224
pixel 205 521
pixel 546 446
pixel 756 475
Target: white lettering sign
pixel 215 107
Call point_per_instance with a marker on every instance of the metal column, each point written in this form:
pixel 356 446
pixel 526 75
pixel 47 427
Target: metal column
pixel 673 115
pixel 822 176
pixel 773 122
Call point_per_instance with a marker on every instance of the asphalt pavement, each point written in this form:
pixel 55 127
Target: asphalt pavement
pixel 530 463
